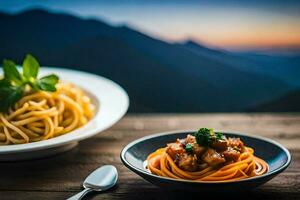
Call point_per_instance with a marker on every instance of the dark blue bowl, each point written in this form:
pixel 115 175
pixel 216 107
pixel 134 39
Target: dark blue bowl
pixel 136 152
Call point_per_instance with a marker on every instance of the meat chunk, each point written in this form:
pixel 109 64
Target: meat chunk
pixel 198 150
pixel 236 143
pixel 174 149
pixel 187 162
pixel 212 157
pixel 220 145
pixel 231 154
pixel 190 139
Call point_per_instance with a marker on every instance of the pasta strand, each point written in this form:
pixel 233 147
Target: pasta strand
pixel 43 115
pixel 248 165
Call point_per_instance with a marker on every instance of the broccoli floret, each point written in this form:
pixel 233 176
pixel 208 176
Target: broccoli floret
pixel 206 136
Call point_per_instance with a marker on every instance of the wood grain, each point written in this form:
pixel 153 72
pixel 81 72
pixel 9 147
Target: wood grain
pixel 60 176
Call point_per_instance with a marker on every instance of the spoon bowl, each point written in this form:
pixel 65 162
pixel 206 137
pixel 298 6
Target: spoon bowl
pixel 101 179
pixel 109 177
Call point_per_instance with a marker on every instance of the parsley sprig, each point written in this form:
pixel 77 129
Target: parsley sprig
pixel 189 147
pixel 13 84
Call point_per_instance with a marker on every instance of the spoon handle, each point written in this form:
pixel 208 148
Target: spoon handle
pixel 81 194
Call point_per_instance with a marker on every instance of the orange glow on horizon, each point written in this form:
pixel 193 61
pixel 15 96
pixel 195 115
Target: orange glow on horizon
pixel 254 41
pixel 249 40
pixel 255 37
pixel 225 30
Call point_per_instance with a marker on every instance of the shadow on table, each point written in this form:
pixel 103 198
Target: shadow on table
pixel 157 193
pixel 63 156
pixel 32 174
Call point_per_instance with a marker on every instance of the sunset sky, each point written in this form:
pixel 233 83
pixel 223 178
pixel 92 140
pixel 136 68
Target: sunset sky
pixel 226 24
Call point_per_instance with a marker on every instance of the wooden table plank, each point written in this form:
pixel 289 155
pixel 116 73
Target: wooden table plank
pixel 60 176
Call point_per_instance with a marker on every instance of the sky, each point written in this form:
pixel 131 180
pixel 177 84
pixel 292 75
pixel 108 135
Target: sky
pixel 226 24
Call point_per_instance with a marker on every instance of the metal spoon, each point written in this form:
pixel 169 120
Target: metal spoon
pixel 101 179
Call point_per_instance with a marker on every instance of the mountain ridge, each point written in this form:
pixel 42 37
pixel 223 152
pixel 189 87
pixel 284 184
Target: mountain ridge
pixel 287 103
pixel 180 80
pixel 285 68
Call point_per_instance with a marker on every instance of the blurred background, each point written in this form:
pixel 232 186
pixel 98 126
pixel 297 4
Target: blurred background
pixel 170 56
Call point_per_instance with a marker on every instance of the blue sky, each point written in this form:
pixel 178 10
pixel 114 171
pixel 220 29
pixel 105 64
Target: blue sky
pixel 226 24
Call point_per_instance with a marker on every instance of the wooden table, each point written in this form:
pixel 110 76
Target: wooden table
pixel 61 176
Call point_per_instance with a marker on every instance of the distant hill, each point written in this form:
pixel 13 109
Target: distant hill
pixel 285 68
pixel 159 76
pixel 203 50
pixel 287 103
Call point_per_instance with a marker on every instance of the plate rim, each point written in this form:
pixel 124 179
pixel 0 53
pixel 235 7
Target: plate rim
pixel 28 147
pixel 269 174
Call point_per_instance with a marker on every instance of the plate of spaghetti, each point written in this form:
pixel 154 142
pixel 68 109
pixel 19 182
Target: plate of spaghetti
pixel 44 111
pixel 205 159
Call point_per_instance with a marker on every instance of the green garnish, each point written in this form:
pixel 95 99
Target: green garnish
pixel 219 136
pixel 206 136
pixel 13 85
pixel 189 148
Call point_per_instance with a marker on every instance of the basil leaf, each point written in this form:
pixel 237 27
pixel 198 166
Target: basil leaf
pixel 46 87
pixel 9 95
pixel 48 83
pixel 30 67
pixel 4 83
pixel 12 86
pixel 11 73
pixel 34 85
pixel 51 79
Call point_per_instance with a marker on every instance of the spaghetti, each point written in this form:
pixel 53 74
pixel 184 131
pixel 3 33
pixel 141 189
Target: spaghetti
pixel 42 115
pixel 163 163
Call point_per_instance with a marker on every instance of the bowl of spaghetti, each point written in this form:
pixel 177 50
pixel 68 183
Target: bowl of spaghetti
pixel 47 110
pixel 205 159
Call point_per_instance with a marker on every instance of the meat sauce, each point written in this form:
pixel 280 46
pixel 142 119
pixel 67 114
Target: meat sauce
pixel 197 156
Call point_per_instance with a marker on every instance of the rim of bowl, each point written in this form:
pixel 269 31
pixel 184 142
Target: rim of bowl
pixel 135 169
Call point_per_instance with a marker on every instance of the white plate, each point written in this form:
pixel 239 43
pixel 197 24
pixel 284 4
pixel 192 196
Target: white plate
pixel 110 99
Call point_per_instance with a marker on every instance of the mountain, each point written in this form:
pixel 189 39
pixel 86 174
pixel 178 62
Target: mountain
pixel 202 50
pixel 285 68
pixel 288 103
pixel 158 76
